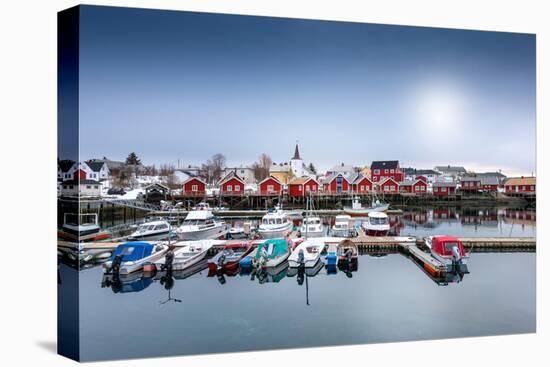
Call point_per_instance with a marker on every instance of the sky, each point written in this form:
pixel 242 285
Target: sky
pixel 182 86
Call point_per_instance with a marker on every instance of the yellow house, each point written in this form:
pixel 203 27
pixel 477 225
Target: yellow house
pixel 281 172
pixel 366 172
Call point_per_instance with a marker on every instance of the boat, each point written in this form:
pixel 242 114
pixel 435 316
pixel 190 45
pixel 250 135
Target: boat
pixel 306 254
pixel 201 225
pixel 156 230
pixel 357 209
pixel 271 274
pixel 275 224
pixel 81 228
pixel 309 271
pixel 377 224
pixel 131 256
pixel 188 255
pixel 312 227
pixel 230 257
pixel 202 206
pixel 341 227
pixel 272 252
pixel 347 251
pixel 129 283
pixel 448 250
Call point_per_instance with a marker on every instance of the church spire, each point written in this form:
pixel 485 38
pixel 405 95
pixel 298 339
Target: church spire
pixel 296 152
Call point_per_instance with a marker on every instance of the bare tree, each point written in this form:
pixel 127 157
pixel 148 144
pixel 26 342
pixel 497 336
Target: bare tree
pixel 166 170
pixel 212 169
pixel 261 167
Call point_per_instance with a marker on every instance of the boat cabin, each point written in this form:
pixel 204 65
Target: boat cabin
pixel 443 245
pixel 133 251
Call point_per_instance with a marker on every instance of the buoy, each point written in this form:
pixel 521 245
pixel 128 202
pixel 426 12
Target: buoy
pixel 149 268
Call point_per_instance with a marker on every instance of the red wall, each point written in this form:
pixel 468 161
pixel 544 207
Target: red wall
pixel 188 187
pixel 397 175
pixel 364 182
pixel 389 183
pixel 277 187
pixel 512 188
pixel 332 185
pixel 438 191
pixel 294 189
pixel 234 183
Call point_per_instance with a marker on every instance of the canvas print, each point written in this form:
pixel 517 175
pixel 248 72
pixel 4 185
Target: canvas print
pixel 240 183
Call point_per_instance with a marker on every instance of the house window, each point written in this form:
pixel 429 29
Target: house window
pixel 237 187
pixel 71 187
pixel 88 186
pixel 313 188
pixel 376 171
pixel 391 171
pixel 532 188
pixel 385 171
pixel 195 188
pixel 307 187
pixel 392 188
pixel 443 189
pixel 270 188
pixel 229 188
pixel 96 187
pixel 300 188
pixel 421 188
pixel 436 189
pixel 362 187
pixel 523 188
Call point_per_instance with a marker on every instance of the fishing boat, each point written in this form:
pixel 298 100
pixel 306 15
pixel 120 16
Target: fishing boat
pixel 357 209
pixel 377 224
pixel 448 250
pixel 306 254
pixel 275 224
pixel 230 256
pixel 312 227
pixel 186 256
pixel 81 228
pixel 272 252
pixel 201 225
pixel 341 227
pixel 156 230
pixel 131 256
pixel 128 283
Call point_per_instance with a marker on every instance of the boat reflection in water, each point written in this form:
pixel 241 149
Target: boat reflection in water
pixel 272 274
pixel 133 282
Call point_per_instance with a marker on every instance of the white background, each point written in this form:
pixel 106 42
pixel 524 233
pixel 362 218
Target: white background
pixel 28 175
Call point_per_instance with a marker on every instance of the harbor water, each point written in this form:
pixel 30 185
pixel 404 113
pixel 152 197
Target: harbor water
pixel 388 299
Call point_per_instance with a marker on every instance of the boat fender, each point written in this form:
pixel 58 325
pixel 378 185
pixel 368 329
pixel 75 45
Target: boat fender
pixel 149 269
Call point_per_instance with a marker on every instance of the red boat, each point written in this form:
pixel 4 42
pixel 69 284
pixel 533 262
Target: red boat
pixel 229 257
pixel 448 250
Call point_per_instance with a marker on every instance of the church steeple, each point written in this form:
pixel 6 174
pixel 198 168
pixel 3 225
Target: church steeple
pixel 296 153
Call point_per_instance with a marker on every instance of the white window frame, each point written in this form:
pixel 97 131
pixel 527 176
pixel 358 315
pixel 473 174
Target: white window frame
pixel 194 188
pixel 237 188
pixel 229 188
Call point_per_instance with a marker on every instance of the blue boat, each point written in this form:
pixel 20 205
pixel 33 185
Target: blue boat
pixel 131 256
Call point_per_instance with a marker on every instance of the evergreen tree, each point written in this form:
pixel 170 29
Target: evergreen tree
pixel 312 168
pixel 133 159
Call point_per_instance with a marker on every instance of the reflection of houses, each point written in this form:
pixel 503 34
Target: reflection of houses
pixel 480 217
pixel 440 188
pixel 520 217
pixel 194 186
pixel 302 186
pixel 520 185
pixel 231 185
pixel 270 186
pixel 381 170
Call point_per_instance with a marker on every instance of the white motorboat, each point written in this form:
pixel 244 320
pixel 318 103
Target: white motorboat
pixel 157 230
pixel 188 255
pixel 377 224
pixel 201 225
pixel 341 227
pixel 357 209
pixel 275 224
pixel 448 250
pixel 272 253
pixel 312 227
pixel 306 254
pixel 131 256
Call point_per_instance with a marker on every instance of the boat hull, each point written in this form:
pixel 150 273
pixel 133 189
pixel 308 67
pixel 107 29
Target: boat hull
pixel 129 267
pixel 376 232
pixel 275 233
pixel 207 234
pixel 151 237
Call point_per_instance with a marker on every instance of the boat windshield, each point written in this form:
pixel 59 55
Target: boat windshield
pixel 313 221
pixel 449 246
pixel 378 221
pixel 146 227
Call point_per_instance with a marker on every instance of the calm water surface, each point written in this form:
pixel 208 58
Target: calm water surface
pixel 388 299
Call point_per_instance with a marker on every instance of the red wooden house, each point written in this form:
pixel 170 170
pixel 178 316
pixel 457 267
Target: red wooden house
pixel 470 183
pixel 270 186
pixel 388 186
pixel 521 185
pixel 231 185
pixel 302 186
pixel 336 183
pixel 443 188
pixel 361 185
pixel 490 184
pixel 415 187
pixel 380 170
pixel 194 186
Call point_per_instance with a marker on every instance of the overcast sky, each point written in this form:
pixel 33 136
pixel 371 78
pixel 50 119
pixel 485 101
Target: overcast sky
pixel 177 85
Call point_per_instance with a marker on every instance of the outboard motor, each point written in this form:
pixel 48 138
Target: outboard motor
pixel 348 254
pixel 168 262
pixel 301 275
pixel 167 281
pixel 221 260
pixel 115 267
pixel 301 258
